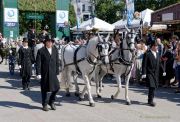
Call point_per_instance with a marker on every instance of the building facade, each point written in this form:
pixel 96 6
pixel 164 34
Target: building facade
pixel 169 16
pixel 83 8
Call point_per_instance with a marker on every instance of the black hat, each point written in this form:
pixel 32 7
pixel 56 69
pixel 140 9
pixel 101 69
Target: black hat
pixel 25 40
pixel 153 43
pixel 48 37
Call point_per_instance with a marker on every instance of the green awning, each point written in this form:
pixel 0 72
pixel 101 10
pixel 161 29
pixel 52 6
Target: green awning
pixel 37 5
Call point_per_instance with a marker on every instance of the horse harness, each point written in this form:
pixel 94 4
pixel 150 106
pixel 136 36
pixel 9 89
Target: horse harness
pixel 121 59
pixel 75 61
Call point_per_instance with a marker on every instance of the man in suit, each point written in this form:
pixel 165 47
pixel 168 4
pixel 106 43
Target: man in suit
pixel 150 70
pixel 47 71
pixel 25 61
pixel 31 37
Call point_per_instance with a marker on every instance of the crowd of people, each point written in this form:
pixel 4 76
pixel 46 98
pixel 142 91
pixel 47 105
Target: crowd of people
pixel 39 56
pixel 169 55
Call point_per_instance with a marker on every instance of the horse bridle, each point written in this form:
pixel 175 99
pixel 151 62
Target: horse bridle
pixel 100 56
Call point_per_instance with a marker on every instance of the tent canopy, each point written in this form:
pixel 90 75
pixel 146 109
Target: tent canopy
pixel 98 24
pixel 146 18
pixel 158 27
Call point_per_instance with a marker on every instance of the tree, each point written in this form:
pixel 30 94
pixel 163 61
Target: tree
pixel 108 9
pixel 72 15
pixel 141 5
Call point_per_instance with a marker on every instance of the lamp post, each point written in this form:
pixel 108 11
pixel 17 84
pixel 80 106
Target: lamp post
pixel 93 11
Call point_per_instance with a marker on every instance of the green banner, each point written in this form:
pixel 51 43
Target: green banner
pixel 62 18
pixel 10 18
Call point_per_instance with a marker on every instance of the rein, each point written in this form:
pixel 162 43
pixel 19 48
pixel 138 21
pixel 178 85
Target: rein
pixel 88 58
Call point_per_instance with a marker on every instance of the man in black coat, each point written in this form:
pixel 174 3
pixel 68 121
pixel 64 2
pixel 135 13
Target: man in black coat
pixel 47 71
pixel 31 37
pixel 150 70
pixel 26 59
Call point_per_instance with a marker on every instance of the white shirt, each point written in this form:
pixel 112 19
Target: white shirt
pixel 49 50
pixel 26 47
pixel 154 53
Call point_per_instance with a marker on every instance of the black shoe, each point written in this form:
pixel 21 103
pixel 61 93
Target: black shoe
pixel 52 105
pixel 45 108
pixel 153 104
pixel 28 88
pixel 177 91
pixel 24 88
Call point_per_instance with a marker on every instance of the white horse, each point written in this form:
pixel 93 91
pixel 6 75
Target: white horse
pixel 121 63
pixel 83 59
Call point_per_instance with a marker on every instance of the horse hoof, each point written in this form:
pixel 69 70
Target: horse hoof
pixel 99 96
pixel 128 103
pixel 92 104
pixel 76 94
pixel 68 94
pixel 112 97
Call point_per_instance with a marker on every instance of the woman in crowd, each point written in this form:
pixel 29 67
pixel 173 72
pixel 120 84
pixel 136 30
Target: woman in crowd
pixel 177 59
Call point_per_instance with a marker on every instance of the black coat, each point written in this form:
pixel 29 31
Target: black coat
pixel 31 36
pixel 169 64
pixel 48 68
pixel 26 59
pixel 151 69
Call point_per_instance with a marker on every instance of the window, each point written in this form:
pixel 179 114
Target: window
pixel 89 8
pixel 83 7
pixel 85 17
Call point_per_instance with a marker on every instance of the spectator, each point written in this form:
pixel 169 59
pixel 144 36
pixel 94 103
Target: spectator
pixel 38 46
pixel 168 60
pixel 31 37
pixel 160 47
pixel 138 62
pixel 177 71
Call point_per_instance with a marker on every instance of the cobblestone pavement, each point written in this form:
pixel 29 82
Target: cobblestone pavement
pixel 17 105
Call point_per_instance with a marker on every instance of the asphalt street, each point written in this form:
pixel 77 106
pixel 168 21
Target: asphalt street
pixel 17 105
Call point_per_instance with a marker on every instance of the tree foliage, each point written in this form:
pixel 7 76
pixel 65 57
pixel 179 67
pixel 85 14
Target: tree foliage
pixel 153 4
pixel 108 9
pixel 37 5
pixel 72 15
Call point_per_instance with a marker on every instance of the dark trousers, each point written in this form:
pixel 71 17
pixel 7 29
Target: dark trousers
pixel 51 99
pixel 26 81
pixel 151 94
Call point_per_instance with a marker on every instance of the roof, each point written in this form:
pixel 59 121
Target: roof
pixel 166 7
pixel 37 5
pixel 98 24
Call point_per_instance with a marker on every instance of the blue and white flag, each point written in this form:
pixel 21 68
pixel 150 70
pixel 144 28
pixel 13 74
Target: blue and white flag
pixel 130 11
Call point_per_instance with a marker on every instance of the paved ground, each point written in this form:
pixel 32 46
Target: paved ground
pixel 17 105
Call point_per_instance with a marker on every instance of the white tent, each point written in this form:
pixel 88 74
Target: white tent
pixel 158 27
pixel 146 18
pixel 98 24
